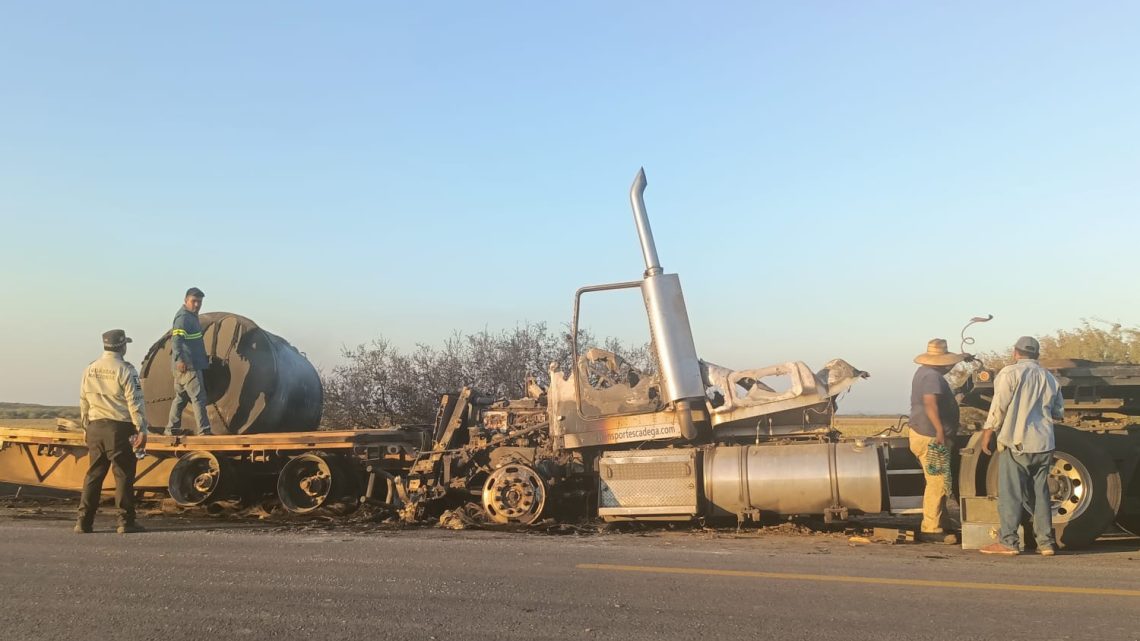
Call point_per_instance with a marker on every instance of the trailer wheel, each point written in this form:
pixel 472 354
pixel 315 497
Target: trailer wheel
pixel 1084 485
pixel 514 494
pixel 201 478
pixel 311 481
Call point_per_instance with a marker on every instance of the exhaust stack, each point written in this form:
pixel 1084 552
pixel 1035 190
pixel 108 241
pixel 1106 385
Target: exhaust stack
pixel 641 219
pixel 668 322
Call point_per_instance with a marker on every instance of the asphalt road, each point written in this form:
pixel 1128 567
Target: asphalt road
pixel 239 579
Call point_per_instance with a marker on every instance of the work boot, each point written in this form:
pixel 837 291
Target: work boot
pixel 83 528
pixel 943 538
pixel 174 431
pixel 999 549
pixel 1047 550
pixel 205 433
pixel 130 528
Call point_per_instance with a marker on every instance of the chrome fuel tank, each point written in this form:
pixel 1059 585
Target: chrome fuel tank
pixel 793 479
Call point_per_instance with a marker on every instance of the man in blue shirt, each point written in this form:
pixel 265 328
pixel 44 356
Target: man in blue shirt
pixel 188 357
pixel 1027 399
pixel 933 420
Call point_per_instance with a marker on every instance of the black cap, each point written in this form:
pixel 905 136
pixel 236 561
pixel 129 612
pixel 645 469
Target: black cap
pixel 115 338
pixel 194 291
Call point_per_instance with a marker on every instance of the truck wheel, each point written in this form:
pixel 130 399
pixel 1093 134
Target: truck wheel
pixel 514 494
pixel 1084 485
pixel 1130 521
pixel 316 480
pixel 201 478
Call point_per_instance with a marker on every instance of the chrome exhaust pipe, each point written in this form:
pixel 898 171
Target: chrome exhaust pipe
pixel 668 323
pixel 641 219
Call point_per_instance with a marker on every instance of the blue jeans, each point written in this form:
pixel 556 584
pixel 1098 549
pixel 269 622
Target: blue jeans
pixel 1023 486
pixel 189 387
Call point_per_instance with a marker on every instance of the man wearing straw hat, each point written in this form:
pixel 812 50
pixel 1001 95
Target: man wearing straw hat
pixel 933 421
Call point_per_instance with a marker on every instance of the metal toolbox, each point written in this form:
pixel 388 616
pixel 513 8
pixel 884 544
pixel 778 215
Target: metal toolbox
pixel 980 523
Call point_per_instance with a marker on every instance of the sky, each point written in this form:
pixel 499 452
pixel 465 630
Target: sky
pixel 829 179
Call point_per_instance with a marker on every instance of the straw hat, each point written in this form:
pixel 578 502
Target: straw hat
pixel 937 354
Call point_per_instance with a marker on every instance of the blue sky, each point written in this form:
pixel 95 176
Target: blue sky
pixel 829 179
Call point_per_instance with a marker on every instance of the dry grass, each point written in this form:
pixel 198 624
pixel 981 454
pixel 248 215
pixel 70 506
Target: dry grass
pixel 866 425
pixel 37 423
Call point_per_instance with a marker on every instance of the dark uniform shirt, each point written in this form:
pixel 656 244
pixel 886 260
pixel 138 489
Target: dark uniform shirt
pixel 928 380
pixel 186 341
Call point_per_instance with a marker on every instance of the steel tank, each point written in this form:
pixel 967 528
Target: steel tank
pixel 812 478
pixel 256 382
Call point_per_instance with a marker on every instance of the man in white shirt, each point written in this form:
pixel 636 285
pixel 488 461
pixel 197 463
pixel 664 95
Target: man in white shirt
pixel 1027 399
pixel 111 410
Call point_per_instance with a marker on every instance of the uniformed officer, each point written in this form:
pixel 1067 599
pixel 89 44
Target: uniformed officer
pixel 111 410
pixel 188 356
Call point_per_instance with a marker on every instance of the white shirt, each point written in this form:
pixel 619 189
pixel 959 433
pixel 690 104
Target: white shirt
pixel 1027 399
pixel 110 390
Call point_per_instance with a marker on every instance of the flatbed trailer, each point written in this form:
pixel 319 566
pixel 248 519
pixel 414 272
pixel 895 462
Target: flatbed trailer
pixel 307 470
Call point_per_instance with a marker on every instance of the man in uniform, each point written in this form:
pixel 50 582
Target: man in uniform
pixel 111 410
pixel 189 359
pixel 933 421
pixel 1027 399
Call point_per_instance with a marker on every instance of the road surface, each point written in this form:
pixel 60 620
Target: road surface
pixel 216 578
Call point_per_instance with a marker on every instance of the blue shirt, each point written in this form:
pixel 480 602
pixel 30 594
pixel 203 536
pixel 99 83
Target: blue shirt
pixel 928 380
pixel 1027 399
pixel 186 343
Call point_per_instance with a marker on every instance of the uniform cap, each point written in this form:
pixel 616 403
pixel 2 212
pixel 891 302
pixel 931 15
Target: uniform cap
pixel 1028 345
pixel 194 291
pixel 115 338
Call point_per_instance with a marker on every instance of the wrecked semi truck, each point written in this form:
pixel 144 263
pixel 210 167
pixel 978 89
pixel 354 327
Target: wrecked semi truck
pixel 678 439
pixel 1095 478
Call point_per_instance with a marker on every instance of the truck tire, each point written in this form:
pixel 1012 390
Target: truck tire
pixel 1129 517
pixel 1085 488
pixel 1129 523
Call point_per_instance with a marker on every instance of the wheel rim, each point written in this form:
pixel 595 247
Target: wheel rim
pixel 196 479
pixel 514 494
pixel 305 483
pixel 1070 487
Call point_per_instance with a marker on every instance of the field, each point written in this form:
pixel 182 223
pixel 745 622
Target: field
pixel 35 423
pixel 33 411
pixel 867 425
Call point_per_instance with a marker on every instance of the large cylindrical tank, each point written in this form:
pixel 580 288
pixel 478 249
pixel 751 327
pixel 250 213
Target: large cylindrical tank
pixel 793 478
pixel 256 383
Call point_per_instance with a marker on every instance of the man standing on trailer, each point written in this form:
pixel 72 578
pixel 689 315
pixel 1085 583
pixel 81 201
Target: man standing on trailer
pixel 188 357
pixel 1027 399
pixel 111 410
pixel 933 421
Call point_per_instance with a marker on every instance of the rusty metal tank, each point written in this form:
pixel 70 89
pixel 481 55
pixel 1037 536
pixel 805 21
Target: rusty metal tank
pixel 256 383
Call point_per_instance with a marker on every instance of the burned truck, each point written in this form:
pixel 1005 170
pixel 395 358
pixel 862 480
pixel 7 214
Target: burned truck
pixel 672 438
pixel 1095 478
pixel 680 440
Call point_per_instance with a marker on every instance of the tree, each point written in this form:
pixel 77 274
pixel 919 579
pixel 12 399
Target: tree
pixel 1094 340
pixel 377 385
